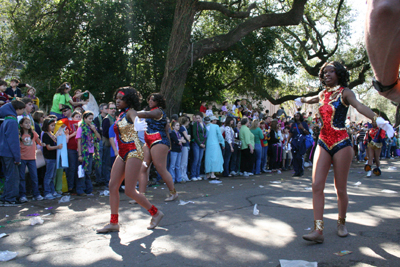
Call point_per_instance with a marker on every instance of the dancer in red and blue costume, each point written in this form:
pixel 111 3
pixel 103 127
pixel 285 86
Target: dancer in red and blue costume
pixel 334 146
pixel 129 160
pixel 157 144
pixel 374 137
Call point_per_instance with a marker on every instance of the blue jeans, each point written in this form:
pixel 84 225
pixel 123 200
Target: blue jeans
pixel 361 151
pixel 33 175
pixel 264 156
pixel 175 166
pixel 105 167
pixel 72 171
pixel 99 167
pixel 197 157
pixel 59 116
pixel 298 163
pixel 48 182
pixel 227 158
pixel 184 162
pixel 235 159
pixel 11 173
pixel 84 185
pixel 258 152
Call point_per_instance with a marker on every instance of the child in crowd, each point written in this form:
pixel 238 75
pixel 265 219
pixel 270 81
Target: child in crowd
pixel 209 111
pixel 28 140
pixel 3 96
pixel 77 96
pixel 10 153
pixel 28 110
pixel 114 144
pixel 31 93
pixel 50 155
pixel 203 108
pixel 286 153
pixel 264 145
pixel 176 152
pixel 88 152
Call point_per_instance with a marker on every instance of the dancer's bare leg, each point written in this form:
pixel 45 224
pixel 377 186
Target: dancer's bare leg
pixel 322 164
pixel 341 166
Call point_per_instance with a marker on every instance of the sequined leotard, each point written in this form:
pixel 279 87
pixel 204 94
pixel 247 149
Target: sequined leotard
pixel 375 137
pixel 155 133
pixel 332 111
pixel 127 139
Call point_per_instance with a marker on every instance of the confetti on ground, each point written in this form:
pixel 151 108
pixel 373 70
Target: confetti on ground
pixel 343 252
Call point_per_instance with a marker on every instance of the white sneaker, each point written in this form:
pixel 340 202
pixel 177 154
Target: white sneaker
pixel 23 199
pixel 233 173
pixel 278 172
pixel 245 174
pixel 57 195
pixel 268 171
pixel 241 173
pixel 250 173
pixel 39 197
pixel 49 197
pixel 194 179
pixel 199 178
pixel 369 173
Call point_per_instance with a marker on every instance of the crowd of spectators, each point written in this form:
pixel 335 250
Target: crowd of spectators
pixel 42 153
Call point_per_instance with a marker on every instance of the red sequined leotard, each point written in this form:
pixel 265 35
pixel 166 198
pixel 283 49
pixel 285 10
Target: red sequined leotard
pixel 375 137
pixel 127 138
pixel 332 111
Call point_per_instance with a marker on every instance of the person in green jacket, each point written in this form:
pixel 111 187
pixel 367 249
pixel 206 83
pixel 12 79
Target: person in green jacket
pixel 258 136
pixel 247 153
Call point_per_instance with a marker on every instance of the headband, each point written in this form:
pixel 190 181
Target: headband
pixel 122 93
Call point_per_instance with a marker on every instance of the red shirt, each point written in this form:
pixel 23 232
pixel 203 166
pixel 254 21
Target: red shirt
pixel 72 144
pixel 3 97
pixel 203 109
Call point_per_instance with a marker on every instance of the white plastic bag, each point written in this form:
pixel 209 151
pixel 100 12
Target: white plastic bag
pixel 81 172
pixel 92 106
pixel 255 210
pixel 64 199
pixel 7 255
pixel 36 220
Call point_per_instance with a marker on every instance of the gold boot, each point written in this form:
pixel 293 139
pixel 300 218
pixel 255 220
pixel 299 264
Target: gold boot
pixel 173 195
pixel 341 227
pixel 314 235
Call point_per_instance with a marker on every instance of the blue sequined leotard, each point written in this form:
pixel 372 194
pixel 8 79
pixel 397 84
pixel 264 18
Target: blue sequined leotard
pixel 155 133
pixel 333 111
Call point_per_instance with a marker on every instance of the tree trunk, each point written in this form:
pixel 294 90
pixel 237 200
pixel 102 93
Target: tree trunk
pixel 179 55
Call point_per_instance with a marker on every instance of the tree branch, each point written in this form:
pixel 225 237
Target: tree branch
pixel 361 77
pixel 221 8
pixel 222 42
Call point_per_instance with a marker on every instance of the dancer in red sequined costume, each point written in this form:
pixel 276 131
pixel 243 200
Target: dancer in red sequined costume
pixel 334 145
pixel 129 160
pixel 375 137
pixel 157 144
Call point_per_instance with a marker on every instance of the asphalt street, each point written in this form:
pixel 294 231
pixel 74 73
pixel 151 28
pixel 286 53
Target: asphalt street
pixel 217 228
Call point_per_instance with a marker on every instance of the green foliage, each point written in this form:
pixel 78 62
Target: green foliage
pixel 95 45
pixel 100 45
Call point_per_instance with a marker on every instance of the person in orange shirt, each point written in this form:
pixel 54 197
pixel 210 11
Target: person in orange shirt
pixel 28 140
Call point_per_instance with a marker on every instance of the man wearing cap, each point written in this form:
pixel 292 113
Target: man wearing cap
pixel 72 146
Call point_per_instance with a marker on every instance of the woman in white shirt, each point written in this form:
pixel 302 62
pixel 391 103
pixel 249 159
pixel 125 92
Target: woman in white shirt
pixel 229 137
